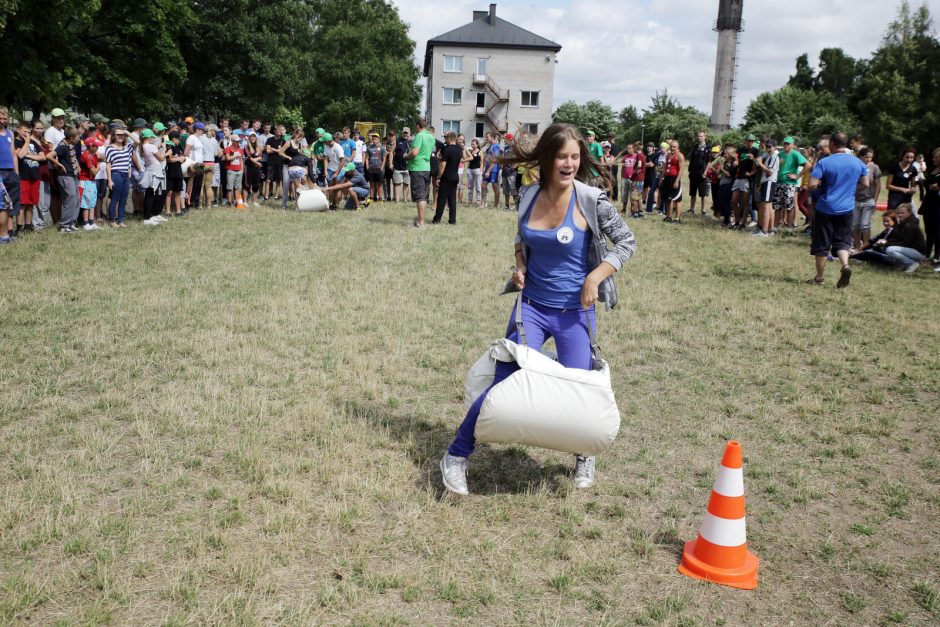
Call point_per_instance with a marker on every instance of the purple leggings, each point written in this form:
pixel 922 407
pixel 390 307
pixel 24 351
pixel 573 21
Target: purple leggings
pixel 572 341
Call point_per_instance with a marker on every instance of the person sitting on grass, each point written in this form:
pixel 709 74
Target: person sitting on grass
pixel 901 244
pixel 353 180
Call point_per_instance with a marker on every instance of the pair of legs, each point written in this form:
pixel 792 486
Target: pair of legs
pixel 446 195
pixel 695 190
pixel 572 341
pixel 894 256
pixel 420 186
pixel 931 218
pixel 861 222
pixel 740 202
pixel 118 204
pixel 402 181
pixel 832 232
pixel 491 178
pixel 671 192
pixel 765 209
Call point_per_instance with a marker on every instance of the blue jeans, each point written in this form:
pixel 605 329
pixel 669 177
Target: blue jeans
pixel 118 203
pixel 904 256
pixel 572 340
pixel 652 193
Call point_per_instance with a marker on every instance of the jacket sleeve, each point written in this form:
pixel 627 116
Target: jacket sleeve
pixel 617 231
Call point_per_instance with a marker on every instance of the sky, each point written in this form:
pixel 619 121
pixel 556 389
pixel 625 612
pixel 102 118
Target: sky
pixel 623 51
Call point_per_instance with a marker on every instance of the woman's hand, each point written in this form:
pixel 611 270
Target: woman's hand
pixel 110 184
pixel 518 276
pixel 589 291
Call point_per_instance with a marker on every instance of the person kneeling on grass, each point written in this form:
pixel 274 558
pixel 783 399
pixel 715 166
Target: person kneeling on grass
pixel 352 179
pixel 901 244
pixel 562 267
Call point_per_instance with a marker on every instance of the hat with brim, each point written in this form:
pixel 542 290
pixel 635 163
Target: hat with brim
pixel 589 134
pixel 327 137
pixel 750 137
pixel 199 125
pixel 319 131
pixel 212 128
pixel 78 119
pixel 140 123
pixel 147 134
pixel 57 113
pixel 158 126
pixel 788 140
pixel 715 150
pixel 349 167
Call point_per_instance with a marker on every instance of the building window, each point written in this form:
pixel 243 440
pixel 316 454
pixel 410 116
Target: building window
pixel 479 130
pixel 452 63
pixel 481 99
pixel 530 99
pixel 452 125
pixel 531 127
pixel 481 66
pixel 452 95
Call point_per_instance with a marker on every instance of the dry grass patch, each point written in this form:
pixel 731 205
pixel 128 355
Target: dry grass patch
pixel 237 419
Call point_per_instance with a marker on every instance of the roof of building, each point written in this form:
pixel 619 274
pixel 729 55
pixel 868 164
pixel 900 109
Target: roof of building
pixel 488 31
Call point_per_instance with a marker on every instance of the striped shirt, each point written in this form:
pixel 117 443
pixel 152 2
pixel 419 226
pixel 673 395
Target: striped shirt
pixel 120 159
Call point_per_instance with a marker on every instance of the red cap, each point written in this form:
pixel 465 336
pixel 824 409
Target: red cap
pixel 508 136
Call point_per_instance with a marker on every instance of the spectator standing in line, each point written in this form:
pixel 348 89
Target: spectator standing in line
pixel 792 164
pixel 491 152
pixel 9 173
pixel 671 186
pixel 713 177
pixel 376 157
pixel 628 161
pixel 174 175
pixel 865 198
pixel 388 167
pixel 637 182
pixel 929 209
pixel 836 178
pixel 902 179
pixel 462 170
pixel 56 131
pixel 769 164
pixel 419 170
pixel 210 176
pixel 615 168
pixel 4 201
pixel 119 157
pixel 234 158
pixel 253 168
pixel 727 175
pixel 154 180
pixel 263 136
pixel 449 177
pixel 87 188
pixel 651 180
pixel 68 168
pixel 473 157
pixel 401 178
pixel 273 178
pixel 699 158
pixel 194 151
pixel 741 188
pixel 508 174
pixel 30 156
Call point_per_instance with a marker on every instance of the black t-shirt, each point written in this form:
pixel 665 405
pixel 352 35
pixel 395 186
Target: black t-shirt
pixel 698 160
pixel 298 160
pixel 66 157
pixel 174 170
pixel 29 168
pixel 274 159
pixel 747 159
pixel 402 146
pixel 474 160
pixel 451 155
pixel 901 178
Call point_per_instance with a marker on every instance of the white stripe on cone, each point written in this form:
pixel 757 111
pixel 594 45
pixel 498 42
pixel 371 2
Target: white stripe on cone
pixel 730 481
pixel 724 532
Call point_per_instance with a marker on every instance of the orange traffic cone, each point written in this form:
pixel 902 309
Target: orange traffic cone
pixel 239 201
pixel 720 554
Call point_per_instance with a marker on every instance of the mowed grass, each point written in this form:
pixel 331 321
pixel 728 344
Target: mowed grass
pixel 237 419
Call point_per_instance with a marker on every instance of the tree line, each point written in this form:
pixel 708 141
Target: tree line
pixel 891 99
pixel 322 62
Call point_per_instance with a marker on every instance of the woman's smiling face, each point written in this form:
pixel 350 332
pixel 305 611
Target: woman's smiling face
pixel 567 163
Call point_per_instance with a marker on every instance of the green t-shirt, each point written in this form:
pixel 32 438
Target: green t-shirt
pixel 319 149
pixel 597 151
pixel 789 163
pixel 424 142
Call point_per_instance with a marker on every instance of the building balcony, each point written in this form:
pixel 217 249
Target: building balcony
pixel 481 110
pixel 479 79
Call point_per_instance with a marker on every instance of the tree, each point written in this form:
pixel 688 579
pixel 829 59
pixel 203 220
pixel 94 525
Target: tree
pixel 803 79
pixel 591 116
pixel 801 113
pixel 838 72
pixel 666 118
pixel 899 97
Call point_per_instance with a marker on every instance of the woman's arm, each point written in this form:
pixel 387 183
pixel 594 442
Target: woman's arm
pixel 612 225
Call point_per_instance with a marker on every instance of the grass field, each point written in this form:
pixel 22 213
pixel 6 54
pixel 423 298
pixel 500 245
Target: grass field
pixel 237 418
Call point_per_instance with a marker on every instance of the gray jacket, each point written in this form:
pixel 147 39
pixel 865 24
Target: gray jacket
pixel 603 219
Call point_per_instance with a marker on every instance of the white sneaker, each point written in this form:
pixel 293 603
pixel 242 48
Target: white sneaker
pixel 454 473
pixel 911 267
pixel 583 471
pixel 159 219
pixel 88 227
pixel 151 222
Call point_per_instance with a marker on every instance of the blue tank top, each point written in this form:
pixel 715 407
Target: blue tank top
pixel 6 150
pixel 557 262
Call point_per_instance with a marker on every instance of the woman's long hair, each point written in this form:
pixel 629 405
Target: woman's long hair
pixel 549 144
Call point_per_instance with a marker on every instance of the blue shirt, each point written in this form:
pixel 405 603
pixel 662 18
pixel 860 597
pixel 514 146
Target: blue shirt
pixel 557 261
pixel 349 147
pixel 839 175
pixel 6 150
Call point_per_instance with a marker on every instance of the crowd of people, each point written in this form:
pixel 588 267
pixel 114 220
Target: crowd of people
pixel 82 173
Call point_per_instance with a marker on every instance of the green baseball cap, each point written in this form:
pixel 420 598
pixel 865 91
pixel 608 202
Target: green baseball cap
pixel 750 137
pixel 327 137
pixel 349 167
pixel 788 140
pixel 319 131
pixel 147 134
pixel 590 134
pixel 158 126
pixel 58 113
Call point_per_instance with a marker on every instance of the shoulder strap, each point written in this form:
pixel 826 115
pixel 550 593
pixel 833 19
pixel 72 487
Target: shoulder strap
pixel 520 329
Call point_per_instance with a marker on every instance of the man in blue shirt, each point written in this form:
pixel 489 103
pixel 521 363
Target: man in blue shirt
pixel 835 178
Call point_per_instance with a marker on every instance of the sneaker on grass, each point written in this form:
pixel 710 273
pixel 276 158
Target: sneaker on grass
pixel 583 471
pixel 454 473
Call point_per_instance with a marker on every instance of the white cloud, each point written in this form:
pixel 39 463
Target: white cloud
pixel 623 51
